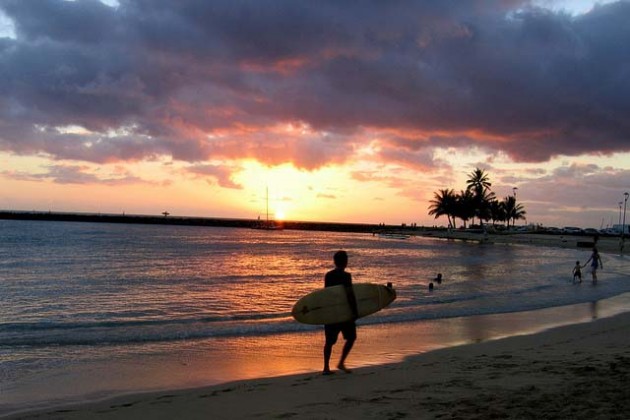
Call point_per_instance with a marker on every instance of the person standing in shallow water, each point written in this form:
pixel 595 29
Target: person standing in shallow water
pixel 336 277
pixel 596 262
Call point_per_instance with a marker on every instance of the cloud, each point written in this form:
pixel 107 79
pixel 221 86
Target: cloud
pixel 75 174
pixel 575 186
pixel 200 81
pixel 215 173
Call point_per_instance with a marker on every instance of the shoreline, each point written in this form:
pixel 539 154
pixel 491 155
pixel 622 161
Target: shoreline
pixel 609 245
pixel 570 371
pixel 483 330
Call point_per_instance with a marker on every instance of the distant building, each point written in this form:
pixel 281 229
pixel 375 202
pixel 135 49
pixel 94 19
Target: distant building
pixel 619 228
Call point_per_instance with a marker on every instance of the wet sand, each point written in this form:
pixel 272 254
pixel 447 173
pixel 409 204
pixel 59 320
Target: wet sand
pixel 604 244
pixel 577 371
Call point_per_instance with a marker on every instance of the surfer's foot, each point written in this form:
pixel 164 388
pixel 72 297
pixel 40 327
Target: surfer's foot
pixel 327 372
pixel 344 368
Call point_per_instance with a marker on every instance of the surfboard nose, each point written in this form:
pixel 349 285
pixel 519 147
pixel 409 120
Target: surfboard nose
pixel 391 290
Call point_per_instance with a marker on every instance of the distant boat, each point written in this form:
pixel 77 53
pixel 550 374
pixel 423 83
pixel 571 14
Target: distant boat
pixel 388 235
pixel 267 224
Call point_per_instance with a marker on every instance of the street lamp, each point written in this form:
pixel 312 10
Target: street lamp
pixel 513 195
pixel 620 203
pixel 623 226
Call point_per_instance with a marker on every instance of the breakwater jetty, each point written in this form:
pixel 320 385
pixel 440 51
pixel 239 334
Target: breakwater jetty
pixel 185 221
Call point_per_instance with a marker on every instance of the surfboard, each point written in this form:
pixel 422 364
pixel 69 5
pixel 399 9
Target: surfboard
pixel 330 305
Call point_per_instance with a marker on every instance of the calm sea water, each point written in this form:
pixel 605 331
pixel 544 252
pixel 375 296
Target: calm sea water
pixel 74 296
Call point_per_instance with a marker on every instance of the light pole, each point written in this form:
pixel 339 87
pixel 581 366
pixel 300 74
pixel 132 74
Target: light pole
pixel 513 219
pixel 623 226
pixel 620 203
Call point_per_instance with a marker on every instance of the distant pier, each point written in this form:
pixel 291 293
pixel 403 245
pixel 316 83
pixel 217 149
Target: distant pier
pixel 184 221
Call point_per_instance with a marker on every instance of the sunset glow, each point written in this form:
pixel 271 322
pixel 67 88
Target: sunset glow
pixel 359 125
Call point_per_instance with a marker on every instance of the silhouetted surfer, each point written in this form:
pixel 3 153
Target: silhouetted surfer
pixel 348 329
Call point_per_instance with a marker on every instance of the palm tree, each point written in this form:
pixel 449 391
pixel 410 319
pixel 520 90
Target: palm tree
pixel 484 205
pixel 466 206
pixel 444 204
pixel 497 211
pixel 477 200
pixel 479 183
pixel 513 210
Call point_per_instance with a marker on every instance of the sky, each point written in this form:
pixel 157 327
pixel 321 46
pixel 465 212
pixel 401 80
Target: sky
pixel 343 111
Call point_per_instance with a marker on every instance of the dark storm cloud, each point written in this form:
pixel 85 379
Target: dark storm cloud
pixel 198 80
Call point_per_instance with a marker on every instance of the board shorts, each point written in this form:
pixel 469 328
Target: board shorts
pixel 347 329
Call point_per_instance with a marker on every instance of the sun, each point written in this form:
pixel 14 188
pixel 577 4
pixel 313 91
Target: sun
pixel 279 215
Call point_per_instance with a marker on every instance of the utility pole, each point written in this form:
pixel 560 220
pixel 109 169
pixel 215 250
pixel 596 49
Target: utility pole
pixel 623 225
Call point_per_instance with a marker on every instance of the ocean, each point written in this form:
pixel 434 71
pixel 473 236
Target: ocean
pixel 91 310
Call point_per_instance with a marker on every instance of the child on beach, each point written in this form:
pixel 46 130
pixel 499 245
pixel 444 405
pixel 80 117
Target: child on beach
pixel 577 272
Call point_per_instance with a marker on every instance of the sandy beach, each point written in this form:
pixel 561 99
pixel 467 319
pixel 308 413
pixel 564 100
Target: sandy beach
pixel 604 244
pixel 578 372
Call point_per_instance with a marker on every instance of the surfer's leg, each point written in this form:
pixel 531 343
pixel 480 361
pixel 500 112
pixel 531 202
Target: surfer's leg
pixel 331 332
pixel 350 335
pixel 344 354
pixel 327 354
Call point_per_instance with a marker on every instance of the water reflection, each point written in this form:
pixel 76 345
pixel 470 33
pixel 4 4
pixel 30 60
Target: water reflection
pixel 218 301
pixel 594 305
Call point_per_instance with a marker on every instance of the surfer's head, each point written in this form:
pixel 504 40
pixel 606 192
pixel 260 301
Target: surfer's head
pixel 341 259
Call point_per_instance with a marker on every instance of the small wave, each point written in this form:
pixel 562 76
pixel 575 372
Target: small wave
pixel 134 335
pixel 129 332
pixel 138 331
pixel 155 331
pixel 25 327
